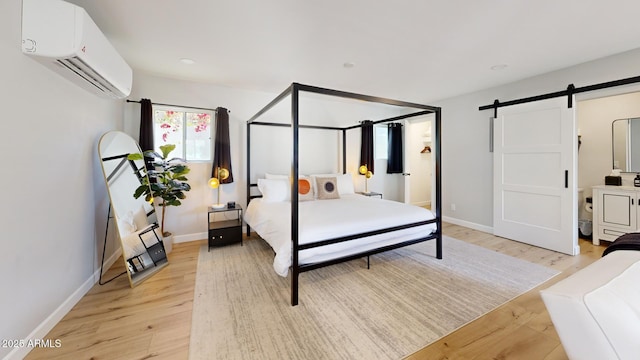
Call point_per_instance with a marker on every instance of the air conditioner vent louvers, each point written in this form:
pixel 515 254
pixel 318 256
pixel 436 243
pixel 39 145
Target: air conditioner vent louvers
pixel 81 69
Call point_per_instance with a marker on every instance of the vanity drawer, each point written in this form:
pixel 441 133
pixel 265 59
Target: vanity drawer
pixel 609 234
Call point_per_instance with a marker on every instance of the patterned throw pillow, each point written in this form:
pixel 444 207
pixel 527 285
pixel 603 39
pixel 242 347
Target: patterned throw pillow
pixel 327 188
pixel 305 190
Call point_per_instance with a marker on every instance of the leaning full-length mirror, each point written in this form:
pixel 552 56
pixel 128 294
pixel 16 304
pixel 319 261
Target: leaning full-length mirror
pixel 134 219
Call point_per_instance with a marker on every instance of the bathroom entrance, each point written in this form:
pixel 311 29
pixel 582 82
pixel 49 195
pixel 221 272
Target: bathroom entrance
pixel 595 115
pixel 418 161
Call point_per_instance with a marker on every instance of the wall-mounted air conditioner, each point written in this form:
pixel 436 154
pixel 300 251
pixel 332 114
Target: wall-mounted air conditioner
pixel 63 37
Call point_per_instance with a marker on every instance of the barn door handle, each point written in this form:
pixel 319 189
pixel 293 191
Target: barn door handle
pixel 491 131
pixel 566 179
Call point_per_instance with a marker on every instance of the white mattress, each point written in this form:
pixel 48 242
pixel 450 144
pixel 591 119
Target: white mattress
pixel 133 246
pixel 326 219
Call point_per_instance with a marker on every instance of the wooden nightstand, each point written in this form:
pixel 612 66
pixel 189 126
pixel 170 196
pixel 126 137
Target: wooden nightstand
pixel 227 230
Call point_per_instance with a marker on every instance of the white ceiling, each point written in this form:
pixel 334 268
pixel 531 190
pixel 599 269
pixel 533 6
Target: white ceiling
pixel 414 50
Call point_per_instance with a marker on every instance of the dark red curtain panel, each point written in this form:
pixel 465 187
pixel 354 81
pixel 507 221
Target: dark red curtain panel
pixel 222 147
pixel 394 148
pixel 366 145
pixel 146 129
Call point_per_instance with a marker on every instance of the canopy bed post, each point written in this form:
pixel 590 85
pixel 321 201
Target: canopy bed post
pixel 248 171
pixel 438 175
pixel 344 151
pixel 294 194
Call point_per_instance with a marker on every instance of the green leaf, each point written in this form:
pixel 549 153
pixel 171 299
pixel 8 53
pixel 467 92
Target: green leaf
pixel 157 188
pixel 142 189
pixel 174 202
pixel 134 156
pixel 166 149
pixel 178 168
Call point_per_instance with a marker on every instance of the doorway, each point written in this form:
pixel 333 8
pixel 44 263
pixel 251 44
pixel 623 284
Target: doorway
pixel 596 113
pixel 418 161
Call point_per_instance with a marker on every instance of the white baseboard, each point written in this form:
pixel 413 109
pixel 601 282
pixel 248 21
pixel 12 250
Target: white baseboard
pixel 40 332
pixel 470 225
pixel 190 237
pixel 197 236
pixel 422 203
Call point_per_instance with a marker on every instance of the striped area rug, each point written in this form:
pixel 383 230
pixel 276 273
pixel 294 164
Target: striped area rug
pixel 405 301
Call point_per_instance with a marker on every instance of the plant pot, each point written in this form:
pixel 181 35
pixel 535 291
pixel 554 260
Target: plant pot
pixel 168 243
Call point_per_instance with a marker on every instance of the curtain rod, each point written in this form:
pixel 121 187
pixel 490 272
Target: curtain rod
pixel 182 106
pixel 395 118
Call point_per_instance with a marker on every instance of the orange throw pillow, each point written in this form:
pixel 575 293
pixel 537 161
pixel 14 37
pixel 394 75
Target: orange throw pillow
pixel 304 190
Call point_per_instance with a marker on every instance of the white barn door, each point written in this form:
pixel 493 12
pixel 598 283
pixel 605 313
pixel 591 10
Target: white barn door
pixel 535 180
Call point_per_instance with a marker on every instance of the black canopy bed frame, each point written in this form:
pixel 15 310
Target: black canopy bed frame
pixel 294 91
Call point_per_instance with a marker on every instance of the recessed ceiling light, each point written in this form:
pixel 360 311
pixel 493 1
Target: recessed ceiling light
pixel 499 67
pixel 187 61
pixel 348 65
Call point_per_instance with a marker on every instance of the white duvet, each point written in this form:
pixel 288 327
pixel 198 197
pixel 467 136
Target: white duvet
pixel 326 219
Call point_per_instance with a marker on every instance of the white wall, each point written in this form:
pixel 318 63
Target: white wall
pixel 54 203
pixel 467 164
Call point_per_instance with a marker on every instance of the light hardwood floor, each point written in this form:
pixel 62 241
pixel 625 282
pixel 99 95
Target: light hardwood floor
pixel 153 320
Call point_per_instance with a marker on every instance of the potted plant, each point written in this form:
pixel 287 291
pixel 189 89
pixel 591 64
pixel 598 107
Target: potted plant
pixel 166 180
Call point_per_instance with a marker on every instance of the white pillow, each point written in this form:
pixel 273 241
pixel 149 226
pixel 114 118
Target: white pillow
pixel 140 218
pixel 126 225
pixel 345 184
pixel 269 176
pixel 274 190
pixel 276 176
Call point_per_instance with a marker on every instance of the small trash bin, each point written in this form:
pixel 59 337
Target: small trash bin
pixel 585 229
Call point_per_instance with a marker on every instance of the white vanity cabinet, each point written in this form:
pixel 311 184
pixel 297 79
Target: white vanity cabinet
pixel 615 212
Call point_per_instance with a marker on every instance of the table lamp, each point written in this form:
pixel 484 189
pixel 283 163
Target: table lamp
pixel 364 170
pixel 215 183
